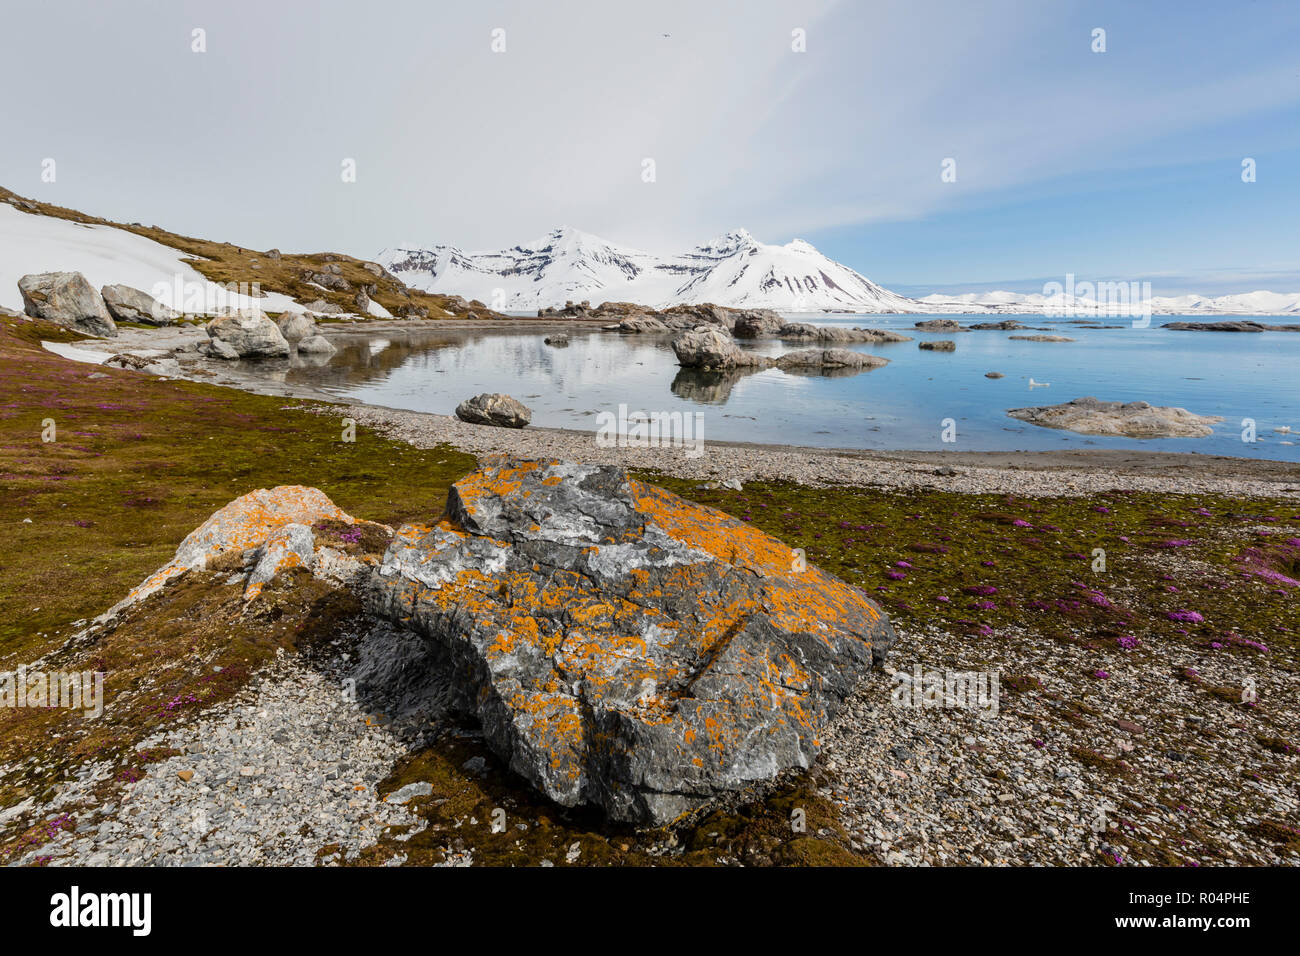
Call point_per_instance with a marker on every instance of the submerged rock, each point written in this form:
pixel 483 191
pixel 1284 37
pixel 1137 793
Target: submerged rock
pixel 622 647
pixel 1039 338
pixel 944 345
pixel 67 299
pixel 1090 416
pixel 494 408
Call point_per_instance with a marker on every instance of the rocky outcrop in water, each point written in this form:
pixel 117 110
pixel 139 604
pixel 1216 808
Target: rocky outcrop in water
pixel 1089 416
pixel 67 299
pixel 714 348
pixel 829 359
pixel 837 334
pixel 1039 338
pixel 246 335
pixel 1229 325
pixel 943 345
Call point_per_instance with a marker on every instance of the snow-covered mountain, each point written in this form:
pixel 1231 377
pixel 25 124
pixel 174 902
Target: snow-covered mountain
pixel 568 265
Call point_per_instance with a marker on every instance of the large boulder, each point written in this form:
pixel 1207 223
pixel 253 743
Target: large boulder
pixel 249 334
pixel 757 324
pixel 316 344
pixel 713 347
pixel 126 304
pixel 622 647
pixel 1089 416
pixel 296 326
pixel 67 299
pixel 494 408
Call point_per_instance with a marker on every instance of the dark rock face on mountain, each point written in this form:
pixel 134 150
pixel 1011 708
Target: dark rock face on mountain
pixel 620 646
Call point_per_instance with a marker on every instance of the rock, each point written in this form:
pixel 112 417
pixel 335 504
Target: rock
pixel 362 301
pixel 713 348
pixel 944 345
pixel 1231 325
pixel 838 334
pixel 67 299
pixel 1039 338
pixel 316 345
pixel 558 339
pixel 323 307
pixel 642 324
pixel 250 334
pixel 494 408
pixel 940 325
pixel 218 349
pixel 185 775
pixel 291 545
pixel 993 375
pixel 273 253
pixel 421 788
pixel 296 326
pixel 1003 326
pixel 247 524
pixel 622 647
pixel 374 268
pixel 1131 419
pixel 829 358
pixel 757 324
pixel 126 304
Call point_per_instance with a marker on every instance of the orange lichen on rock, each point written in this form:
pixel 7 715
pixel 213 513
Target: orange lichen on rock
pixel 622 646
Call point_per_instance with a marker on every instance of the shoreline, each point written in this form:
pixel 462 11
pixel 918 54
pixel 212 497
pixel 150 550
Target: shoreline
pixel 1072 472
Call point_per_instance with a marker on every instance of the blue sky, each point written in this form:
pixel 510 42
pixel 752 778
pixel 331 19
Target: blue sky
pixel 1117 165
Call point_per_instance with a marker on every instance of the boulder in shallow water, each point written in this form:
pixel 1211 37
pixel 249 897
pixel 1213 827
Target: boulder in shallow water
pixel 250 334
pixel 296 326
pixel 316 344
pixel 622 647
pixel 713 347
pixel 943 345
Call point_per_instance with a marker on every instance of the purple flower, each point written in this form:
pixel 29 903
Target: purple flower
pixel 1187 617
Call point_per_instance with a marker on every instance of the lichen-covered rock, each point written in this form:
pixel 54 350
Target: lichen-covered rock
pixel 68 299
pixel 494 408
pixel 251 334
pixel 254 525
pixel 126 304
pixel 1090 416
pixel 623 647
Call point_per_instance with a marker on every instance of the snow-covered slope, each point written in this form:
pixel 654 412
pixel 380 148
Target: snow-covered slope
pixel 568 265
pixel 30 243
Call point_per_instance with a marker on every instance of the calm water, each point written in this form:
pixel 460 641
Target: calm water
pixel 899 406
